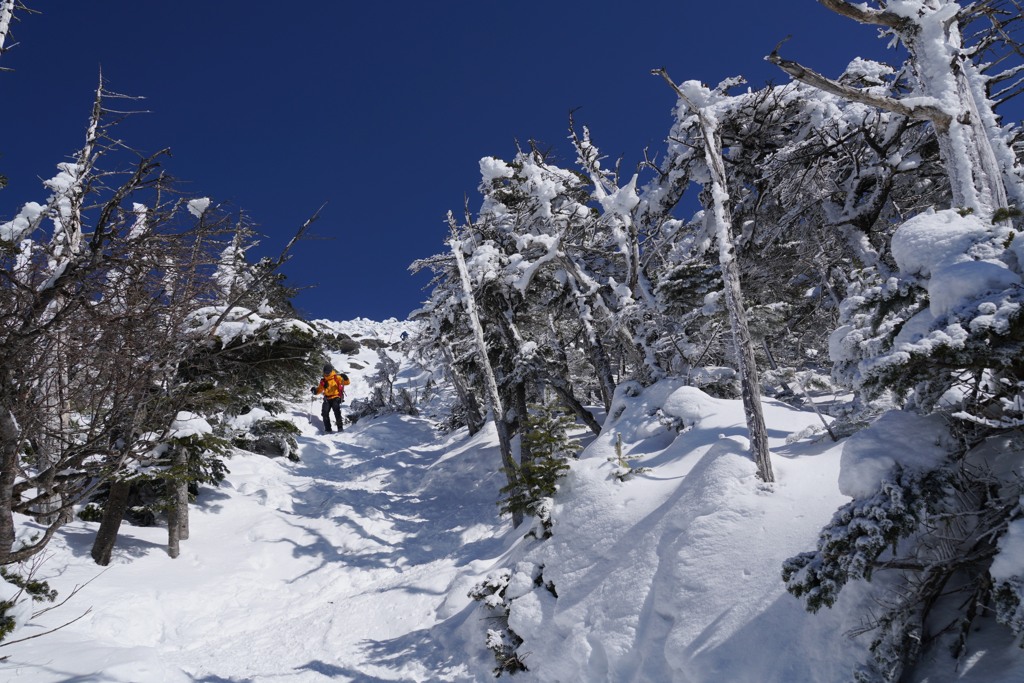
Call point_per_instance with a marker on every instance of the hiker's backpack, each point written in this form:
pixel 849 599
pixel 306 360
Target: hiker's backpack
pixel 340 381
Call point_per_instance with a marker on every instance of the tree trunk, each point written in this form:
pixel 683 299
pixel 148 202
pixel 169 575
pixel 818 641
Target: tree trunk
pixel 519 421
pixel 498 413
pixel 474 416
pixel 177 513
pixel 720 219
pixel 8 475
pixel 173 532
pixel 965 146
pixel 591 338
pixel 6 14
pixel 565 393
pixel 54 406
pixel 561 381
pixel 750 384
pixel 602 365
pixel 113 514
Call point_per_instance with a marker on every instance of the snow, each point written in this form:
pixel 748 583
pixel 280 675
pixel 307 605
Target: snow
pixel 197 207
pixel 622 201
pixel 970 278
pixel 1009 563
pixel 141 224
pixel 21 225
pixel 21 611
pixel 953 285
pixel 239 324
pixel 956 254
pixel 356 563
pixel 492 168
pixel 187 424
pixel 683 560
pixel 931 240
pixel 913 442
pixel 869 70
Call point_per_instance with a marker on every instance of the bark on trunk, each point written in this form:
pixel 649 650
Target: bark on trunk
pixel 113 514
pixel 559 379
pixel 591 338
pixel 498 413
pixel 566 395
pixel 602 366
pixel 518 422
pixel 720 217
pixel 55 412
pixel 474 416
pixel 749 381
pixel 8 475
pixel 177 514
pixel 6 14
pixel 173 533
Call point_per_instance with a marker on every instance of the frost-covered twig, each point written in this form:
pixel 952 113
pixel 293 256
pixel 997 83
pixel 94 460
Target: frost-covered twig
pixel 73 593
pixel 46 633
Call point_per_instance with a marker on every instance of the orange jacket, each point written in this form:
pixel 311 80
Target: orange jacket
pixel 333 385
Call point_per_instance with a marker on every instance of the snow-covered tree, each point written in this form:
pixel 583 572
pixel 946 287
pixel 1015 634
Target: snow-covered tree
pixel 700 103
pixel 7 8
pixel 494 398
pixel 109 315
pixel 440 341
pixel 527 299
pixel 384 398
pixel 938 329
pixel 950 93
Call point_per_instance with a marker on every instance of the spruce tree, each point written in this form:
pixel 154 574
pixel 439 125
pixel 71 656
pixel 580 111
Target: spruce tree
pixel 546 438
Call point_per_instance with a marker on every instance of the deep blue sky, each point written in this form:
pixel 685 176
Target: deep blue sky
pixel 380 109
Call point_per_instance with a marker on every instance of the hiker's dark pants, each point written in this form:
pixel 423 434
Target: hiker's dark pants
pixel 325 411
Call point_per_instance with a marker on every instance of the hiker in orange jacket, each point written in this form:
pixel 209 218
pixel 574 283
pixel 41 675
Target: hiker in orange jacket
pixel 332 386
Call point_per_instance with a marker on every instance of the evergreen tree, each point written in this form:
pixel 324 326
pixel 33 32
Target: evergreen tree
pixel 546 438
pixel 941 334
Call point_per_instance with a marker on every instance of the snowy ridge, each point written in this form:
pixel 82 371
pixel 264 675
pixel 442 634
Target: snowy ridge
pixel 388 331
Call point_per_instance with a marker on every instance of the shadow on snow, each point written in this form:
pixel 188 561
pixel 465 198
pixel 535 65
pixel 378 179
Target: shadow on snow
pixel 379 481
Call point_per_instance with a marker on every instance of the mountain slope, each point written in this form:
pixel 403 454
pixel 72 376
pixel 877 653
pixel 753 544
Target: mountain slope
pixel 355 563
pixel 331 568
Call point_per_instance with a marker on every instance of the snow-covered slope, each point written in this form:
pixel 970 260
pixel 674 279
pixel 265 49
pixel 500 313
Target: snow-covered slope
pixel 681 578
pixel 333 568
pixel 355 563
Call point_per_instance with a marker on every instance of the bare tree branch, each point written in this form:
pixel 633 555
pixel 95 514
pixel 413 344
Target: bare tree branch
pixel 282 257
pixel 922 112
pixel 46 633
pixel 864 14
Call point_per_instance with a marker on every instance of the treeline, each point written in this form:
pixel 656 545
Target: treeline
pixel 858 234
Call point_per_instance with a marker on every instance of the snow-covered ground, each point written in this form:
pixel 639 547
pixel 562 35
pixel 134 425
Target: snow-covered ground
pixel 354 564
